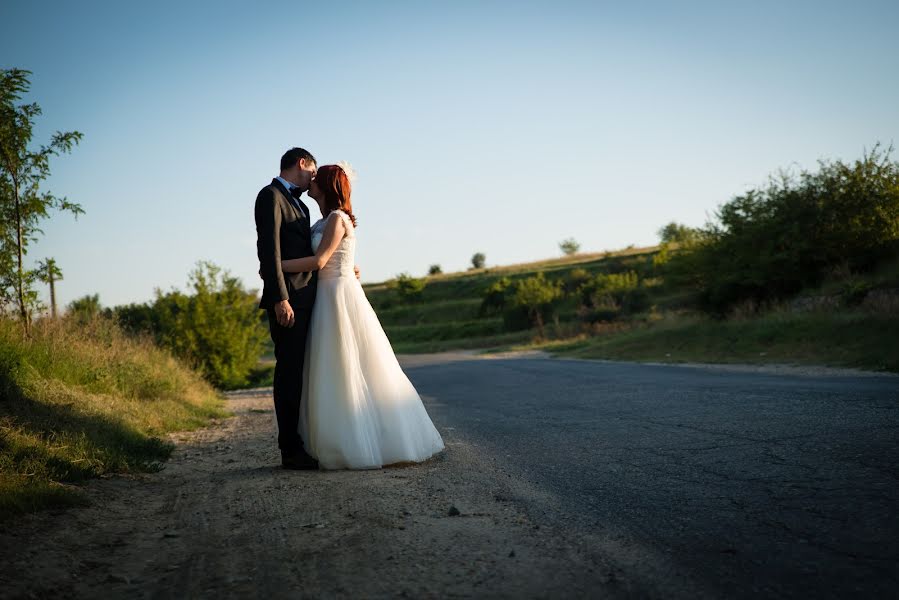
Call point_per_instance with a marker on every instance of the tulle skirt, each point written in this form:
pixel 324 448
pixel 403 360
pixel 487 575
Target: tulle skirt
pixel 359 410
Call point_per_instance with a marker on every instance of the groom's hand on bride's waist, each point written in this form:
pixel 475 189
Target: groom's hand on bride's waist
pixel 284 314
pixel 357 272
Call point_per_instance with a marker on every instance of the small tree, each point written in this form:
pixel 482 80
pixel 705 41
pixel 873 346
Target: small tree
pixel 678 234
pixel 49 273
pixel 85 308
pixel 569 246
pixel 22 205
pixel 408 288
pixel 477 260
pixel 537 295
pixel 217 328
pixel 434 270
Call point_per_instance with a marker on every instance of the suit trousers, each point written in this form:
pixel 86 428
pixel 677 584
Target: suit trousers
pixel 290 353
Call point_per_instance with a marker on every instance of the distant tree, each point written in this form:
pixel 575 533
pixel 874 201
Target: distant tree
pixel 477 260
pixel 569 246
pixel 537 296
pixel 85 308
pixel 434 270
pixel 677 233
pixel 408 288
pixel 49 273
pixel 22 205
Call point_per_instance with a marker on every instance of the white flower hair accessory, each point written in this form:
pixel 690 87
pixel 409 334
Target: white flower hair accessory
pixel 348 170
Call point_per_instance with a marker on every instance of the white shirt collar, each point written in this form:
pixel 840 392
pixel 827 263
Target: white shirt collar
pixel 285 183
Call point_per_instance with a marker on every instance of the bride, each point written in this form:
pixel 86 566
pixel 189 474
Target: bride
pixel 359 410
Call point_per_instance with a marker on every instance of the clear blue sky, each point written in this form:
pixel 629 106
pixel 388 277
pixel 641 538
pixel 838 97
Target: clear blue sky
pixel 500 127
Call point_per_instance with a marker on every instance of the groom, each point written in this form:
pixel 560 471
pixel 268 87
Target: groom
pixel 283 232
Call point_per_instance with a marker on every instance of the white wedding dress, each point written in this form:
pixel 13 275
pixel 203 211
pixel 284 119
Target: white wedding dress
pixel 359 409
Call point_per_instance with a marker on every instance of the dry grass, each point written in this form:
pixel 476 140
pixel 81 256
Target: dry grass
pixel 80 401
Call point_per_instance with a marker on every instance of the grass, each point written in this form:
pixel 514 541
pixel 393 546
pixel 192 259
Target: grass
pixel 853 339
pixel 82 401
pixel 446 318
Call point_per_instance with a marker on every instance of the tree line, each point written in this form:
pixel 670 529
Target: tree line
pixel 760 248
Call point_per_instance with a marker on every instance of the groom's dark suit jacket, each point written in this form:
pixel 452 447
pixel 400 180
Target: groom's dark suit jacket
pixel 283 232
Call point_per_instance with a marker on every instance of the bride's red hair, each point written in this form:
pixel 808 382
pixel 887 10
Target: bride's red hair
pixel 335 185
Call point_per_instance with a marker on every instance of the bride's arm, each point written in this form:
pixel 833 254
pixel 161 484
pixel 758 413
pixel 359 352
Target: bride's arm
pixel 334 230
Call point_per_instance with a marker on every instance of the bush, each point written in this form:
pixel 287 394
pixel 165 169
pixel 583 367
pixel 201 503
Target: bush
pixel 478 260
pixel 607 289
pixel 575 280
pixel 85 308
pixel 495 297
pixel 537 296
pixel 770 243
pixel 434 270
pixel 407 288
pixel 217 329
pixel 636 300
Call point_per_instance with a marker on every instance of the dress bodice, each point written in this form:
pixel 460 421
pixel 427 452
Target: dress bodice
pixel 343 261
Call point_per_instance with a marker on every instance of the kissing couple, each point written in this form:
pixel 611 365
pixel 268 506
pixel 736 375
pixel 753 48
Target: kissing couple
pixel 341 399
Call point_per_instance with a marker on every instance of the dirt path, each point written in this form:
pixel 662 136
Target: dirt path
pixel 222 520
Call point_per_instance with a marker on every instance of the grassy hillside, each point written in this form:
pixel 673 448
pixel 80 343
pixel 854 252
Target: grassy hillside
pixel 447 317
pixel 81 401
pixel 447 314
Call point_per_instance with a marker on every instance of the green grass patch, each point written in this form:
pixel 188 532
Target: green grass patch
pixel 857 339
pixel 80 401
pixel 471 343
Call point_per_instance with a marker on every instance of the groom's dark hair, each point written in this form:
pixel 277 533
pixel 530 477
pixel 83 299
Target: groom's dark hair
pixel 291 157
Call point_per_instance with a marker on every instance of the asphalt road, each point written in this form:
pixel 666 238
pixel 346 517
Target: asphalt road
pixel 694 482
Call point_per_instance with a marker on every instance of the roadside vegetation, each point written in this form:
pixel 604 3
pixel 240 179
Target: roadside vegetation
pixel 804 269
pixel 81 400
pixel 95 392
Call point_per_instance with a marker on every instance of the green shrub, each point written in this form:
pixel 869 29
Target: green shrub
pixel 537 296
pixel 217 328
pixel 576 278
pixel 86 308
pixel 407 288
pixel 495 297
pixel 770 243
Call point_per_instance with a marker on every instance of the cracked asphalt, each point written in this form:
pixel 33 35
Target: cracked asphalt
pixel 693 482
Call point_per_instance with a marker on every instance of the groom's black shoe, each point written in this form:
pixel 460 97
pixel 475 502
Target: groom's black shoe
pixel 299 461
